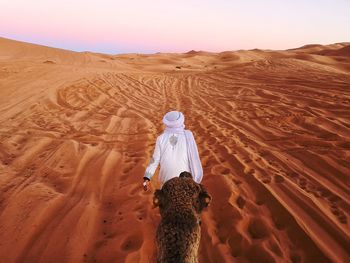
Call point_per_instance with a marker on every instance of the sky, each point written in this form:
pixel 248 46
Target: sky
pixel 136 26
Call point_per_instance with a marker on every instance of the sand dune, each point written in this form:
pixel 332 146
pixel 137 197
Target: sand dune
pixel 77 131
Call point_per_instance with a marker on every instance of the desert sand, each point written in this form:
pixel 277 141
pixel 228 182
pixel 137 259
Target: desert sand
pixel 78 129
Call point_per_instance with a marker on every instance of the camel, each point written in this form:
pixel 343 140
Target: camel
pixel 181 201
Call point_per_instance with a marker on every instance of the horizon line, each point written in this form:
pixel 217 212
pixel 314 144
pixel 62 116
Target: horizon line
pixel 158 52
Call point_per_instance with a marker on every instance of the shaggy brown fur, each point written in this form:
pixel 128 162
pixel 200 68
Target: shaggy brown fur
pixel 180 201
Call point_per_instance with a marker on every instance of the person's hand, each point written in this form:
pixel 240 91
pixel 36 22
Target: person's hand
pixel 145 184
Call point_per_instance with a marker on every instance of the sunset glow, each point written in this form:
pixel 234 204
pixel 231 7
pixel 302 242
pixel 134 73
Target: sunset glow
pixel 112 26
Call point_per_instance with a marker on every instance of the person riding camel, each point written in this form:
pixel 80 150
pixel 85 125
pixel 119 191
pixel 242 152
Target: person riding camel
pixel 175 150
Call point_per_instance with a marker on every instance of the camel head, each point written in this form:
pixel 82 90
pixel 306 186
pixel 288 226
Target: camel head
pixel 180 202
pixel 181 193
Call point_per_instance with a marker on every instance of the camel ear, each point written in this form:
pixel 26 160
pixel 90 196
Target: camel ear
pixel 185 175
pixel 158 198
pixel 204 199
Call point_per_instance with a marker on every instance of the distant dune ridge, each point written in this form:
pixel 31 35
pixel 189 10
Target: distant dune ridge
pixel 77 131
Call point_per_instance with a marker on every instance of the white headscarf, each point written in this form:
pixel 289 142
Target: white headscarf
pixel 174 121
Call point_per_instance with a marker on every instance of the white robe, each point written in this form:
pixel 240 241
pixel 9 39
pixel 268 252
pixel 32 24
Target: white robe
pixel 172 155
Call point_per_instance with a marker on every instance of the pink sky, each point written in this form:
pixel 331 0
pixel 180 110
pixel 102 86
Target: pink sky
pixel 112 26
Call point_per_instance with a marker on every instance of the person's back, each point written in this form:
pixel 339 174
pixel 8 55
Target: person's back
pixel 175 151
pixel 174 158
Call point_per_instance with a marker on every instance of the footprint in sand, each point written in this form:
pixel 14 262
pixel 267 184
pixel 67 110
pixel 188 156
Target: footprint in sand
pixel 341 216
pixel 258 229
pixel 302 182
pixel 266 179
pixel 240 201
pixel 278 179
pixel 220 170
pixel 9 159
pixel 249 171
pixel 132 242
